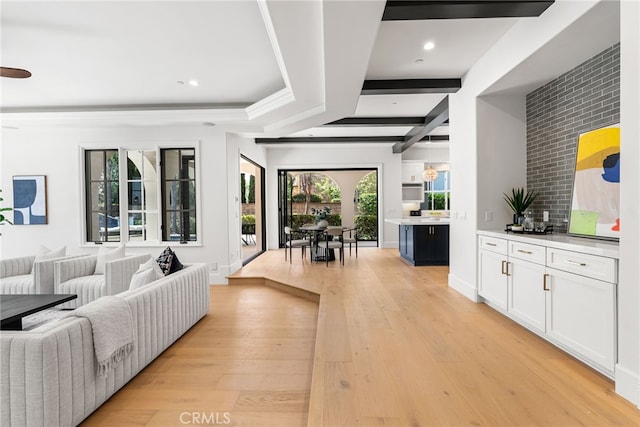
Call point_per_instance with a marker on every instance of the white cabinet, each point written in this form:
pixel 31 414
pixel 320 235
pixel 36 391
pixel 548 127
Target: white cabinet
pixel 412 173
pixel 492 274
pixel 581 310
pixel 565 296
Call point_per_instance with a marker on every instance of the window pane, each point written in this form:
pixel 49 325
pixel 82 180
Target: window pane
pixel 95 164
pixel 150 196
pixel 172 195
pixel 172 225
pixel 134 165
pixel 135 195
pixel 135 227
pixel 171 164
pixel 112 165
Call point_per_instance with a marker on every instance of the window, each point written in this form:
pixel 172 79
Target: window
pixel 160 197
pixel 103 195
pixel 437 194
pixel 179 194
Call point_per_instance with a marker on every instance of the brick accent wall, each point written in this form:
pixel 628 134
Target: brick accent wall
pixel 583 99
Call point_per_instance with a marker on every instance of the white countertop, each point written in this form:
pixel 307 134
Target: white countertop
pixel 418 220
pixel 585 245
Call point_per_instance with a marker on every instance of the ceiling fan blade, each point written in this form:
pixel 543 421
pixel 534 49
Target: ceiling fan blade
pixel 14 73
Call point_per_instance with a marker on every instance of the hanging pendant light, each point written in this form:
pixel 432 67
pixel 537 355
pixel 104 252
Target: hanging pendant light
pixel 430 174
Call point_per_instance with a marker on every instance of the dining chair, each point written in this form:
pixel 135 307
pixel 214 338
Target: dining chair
pixel 350 236
pixel 332 240
pixel 292 242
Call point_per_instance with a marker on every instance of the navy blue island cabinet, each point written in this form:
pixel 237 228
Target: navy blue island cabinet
pixel 425 244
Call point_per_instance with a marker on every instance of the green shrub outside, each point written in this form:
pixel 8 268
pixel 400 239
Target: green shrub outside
pixel 301 198
pixel 248 219
pixel 367 227
pixel 297 220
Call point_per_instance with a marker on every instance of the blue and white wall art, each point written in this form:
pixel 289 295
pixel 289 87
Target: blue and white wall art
pixel 29 199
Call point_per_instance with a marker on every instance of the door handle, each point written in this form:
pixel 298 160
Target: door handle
pixel 580 264
pixel 545 284
pixel 508 263
pixel 503 267
pixel 525 252
pixel 490 244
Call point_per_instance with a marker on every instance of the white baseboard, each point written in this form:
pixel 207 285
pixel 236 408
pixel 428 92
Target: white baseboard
pixel 628 384
pixel 391 244
pixel 219 276
pixel 464 288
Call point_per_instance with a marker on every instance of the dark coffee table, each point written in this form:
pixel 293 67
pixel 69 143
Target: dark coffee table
pixel 14 307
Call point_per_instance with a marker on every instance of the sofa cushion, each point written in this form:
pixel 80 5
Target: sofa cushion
pixel 45 253
pixel 147 273
pixel 169 262
pixel 22 284
pixel 107 254
pixel 141 278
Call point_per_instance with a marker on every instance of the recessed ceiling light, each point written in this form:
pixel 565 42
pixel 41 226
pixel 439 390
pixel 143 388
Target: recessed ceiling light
pixel 180 82
pixel 193 82
pixel 429 45
pixel 395 103
pixel 419 61
pixel 208 124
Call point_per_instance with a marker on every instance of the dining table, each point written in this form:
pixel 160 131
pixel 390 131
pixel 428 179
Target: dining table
pixel 315 232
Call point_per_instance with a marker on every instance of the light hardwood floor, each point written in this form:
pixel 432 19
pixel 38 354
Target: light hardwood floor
pixel 394 346
pixel 247 363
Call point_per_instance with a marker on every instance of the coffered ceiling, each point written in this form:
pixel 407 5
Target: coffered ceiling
pixel 264 68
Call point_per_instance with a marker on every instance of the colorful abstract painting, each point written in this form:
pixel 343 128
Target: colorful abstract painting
pixel 29 199
pixel 595 204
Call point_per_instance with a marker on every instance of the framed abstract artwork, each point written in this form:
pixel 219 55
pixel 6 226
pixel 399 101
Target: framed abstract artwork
pixel 595 202
pixel 29 199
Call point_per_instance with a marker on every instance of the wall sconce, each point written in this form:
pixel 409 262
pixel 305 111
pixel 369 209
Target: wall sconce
pixel 430 174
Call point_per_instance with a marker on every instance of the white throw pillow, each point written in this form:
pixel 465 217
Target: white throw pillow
pixel 105 255
pixel 45 253
pixel 152 264
pixel 141 278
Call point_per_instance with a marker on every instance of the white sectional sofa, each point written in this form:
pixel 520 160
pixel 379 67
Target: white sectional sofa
pixel 48 375
pixel 76 276
pixel 25 275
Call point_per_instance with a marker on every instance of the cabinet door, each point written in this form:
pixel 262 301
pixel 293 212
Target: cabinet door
pixel 492 285
pixel 526 293
pixel 438 244
pixel 581 316
pixel 412 173
pixel 406 242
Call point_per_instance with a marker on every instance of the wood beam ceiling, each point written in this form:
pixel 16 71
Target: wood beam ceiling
pixel 399 10
pixel 435 118
pixel 347 139
pixel 410 86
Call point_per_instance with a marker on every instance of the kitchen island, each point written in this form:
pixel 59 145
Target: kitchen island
pixel 423 240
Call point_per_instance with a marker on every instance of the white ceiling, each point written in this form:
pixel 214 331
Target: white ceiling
pixel 265 68
pixel 123 54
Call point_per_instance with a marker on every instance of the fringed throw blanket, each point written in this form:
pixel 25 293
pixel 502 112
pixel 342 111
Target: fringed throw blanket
pixel 112 326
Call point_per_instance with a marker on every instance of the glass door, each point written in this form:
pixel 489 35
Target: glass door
pixel 252 196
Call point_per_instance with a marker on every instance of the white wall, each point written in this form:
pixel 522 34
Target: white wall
pixel 628 367
pixel 502 153
pixel 54 152
pixel 334 156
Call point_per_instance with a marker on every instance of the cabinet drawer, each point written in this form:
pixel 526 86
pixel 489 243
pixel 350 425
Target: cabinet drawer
pixel 527 252
pixel 493 244
pixel 597 267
